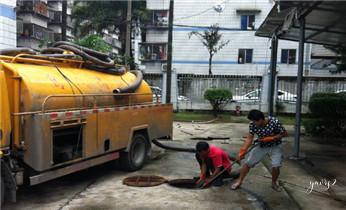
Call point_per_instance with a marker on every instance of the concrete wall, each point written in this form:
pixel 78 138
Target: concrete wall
pixel 30 18
pixel 158 35
pixel 8 27
pixel 158 4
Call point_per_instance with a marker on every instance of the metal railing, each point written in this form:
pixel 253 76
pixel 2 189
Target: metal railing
pixel 34 6
pixel 34 31
pixel 125 99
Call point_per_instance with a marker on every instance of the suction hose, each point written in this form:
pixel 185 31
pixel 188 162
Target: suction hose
pixel 16 51
pixel 178 149
pixel 134 86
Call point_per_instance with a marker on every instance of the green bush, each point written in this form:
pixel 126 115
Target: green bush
pixel 328 105
pixel 314 127
pixel 329 115
pixel 218 98
pixel 95 42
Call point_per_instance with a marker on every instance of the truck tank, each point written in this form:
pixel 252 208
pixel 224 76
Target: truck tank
pixel 44 87
pixel 60 83
pixel 63 77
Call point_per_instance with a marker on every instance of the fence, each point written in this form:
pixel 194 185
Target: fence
pixel 191 89
pixel 246 90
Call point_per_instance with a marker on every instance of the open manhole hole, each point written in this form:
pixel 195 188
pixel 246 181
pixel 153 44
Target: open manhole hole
pixel 144 181
pixel 183 183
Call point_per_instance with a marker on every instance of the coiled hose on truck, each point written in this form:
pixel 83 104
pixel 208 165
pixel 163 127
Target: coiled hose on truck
pixel 97 61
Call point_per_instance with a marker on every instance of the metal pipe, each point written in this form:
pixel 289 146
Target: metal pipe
pixel 169 53
pixel 86 95
pixel 299 87
pixel 274 50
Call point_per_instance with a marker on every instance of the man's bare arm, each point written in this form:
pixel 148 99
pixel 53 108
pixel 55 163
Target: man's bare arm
pixel 245 147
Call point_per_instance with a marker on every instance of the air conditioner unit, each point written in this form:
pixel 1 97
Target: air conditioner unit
pixel 164 67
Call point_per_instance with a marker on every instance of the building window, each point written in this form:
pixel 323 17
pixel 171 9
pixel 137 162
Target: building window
pixel 153 52
pixel 160 18
pixel 247 22
pixel 288 56
pixel 245 56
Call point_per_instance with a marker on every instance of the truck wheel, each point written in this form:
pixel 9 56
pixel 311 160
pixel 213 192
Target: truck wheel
pixel 2 191
pixel 134 159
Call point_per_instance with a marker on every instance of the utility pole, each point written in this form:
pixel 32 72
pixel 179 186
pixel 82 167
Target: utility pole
pixel 63 20
pixel 128 31
pixel 169 53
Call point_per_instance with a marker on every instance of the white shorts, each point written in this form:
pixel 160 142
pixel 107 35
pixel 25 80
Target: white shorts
pixel 258 153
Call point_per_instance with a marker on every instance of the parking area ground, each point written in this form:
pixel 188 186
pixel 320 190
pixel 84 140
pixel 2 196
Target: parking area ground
pixel 101 187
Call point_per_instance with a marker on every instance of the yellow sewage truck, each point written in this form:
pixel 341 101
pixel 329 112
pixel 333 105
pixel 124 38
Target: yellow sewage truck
pixel 68 108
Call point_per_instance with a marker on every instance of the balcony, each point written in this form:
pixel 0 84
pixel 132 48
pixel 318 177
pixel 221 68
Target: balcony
pixel 37 32
pixel 158 19
pixel 112 41
pixel 55 17
pixel 153 51
pixel 34 6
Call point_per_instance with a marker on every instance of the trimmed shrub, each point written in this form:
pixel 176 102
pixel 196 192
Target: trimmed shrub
pixel 328 105
pixel 329 115
pixel 218 99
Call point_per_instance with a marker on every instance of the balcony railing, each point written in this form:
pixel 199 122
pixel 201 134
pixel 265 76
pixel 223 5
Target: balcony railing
pixel 35 6
pixel 153 51
pixel 37 32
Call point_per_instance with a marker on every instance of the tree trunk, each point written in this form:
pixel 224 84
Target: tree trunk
pixel 210 60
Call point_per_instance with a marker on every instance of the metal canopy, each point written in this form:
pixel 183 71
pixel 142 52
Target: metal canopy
pixel 325 22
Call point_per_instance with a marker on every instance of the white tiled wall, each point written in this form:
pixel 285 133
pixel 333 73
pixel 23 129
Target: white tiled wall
pixel 190 56
pixel 8 26
pixel 158 4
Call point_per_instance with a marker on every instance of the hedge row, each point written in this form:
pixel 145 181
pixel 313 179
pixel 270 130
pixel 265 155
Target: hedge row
pixel 329 115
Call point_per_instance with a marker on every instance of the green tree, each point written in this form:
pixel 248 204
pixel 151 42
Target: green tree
pixel 218 99
pixel 90 16
pixel 95 42
pixel 211 39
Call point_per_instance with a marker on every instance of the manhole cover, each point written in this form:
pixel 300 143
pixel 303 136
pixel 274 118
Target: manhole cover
pixel 144 181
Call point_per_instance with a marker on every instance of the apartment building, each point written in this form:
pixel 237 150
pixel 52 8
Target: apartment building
pixel 7 24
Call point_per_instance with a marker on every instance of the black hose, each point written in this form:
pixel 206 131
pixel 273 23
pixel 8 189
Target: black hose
pixel 178 149
pixel 52 50
pixel 134 86
pixel 16 51
pixel 94 53
pixel 86 56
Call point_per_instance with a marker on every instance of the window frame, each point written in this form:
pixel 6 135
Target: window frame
pixel 246 18
pixel 245 56
pixel 290 53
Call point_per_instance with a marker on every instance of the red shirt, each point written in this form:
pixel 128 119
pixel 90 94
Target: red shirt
pixel 219 157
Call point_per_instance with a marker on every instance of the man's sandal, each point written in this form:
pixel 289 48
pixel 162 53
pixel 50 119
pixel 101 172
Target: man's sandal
pixel 276 187
pixel 235 186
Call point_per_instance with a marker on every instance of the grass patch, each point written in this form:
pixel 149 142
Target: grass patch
pixel 200 117
pixel 224 118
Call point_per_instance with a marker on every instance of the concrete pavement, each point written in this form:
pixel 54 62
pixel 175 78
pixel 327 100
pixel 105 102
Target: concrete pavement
pixel 101 187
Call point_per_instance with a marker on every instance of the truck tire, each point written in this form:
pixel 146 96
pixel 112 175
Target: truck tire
pixel 2 191
pixel 134 159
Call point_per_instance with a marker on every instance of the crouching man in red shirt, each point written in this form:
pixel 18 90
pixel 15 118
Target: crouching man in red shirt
pixel 212 160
